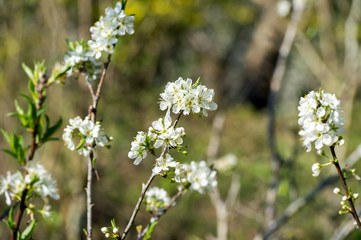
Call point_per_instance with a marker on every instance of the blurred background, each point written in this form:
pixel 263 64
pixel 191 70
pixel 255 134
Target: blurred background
pixel 233 46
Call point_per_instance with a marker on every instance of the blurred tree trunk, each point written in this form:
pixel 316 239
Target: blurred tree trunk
pixel 260 59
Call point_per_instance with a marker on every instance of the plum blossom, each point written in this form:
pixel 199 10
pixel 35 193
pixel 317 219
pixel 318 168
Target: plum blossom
pixel 163 165
pixel 90 134
pixel 164 134
pixel 183 96
pixel 138 150
pixel 316 168
pixel 156 199
pixel 86 56
pixel 37 180
pixel 321 120
pixel 198 175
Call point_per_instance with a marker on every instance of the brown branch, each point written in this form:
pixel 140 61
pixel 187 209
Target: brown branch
pixel 40 89
pixel 161 213
pixel 137 206
pixel 92 114
pixel 345 187
pixel 300 202
pixel 19 215
pixel 41 92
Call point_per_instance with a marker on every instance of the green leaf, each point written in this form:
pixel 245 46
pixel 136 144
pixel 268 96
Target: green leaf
pixel 50 131
pixel 28 72
pixel 197 82
pixel 10 221
pixel 32 90
pixel 70 44
pixel 124 3
pixel 81 143
pixel 150 230
pixel 113 223
pixel 28 232
pixel 16 145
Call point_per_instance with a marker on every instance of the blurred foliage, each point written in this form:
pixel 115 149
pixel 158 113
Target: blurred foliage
pixel 206 38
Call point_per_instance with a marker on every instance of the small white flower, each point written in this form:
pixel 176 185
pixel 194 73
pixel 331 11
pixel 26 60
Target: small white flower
pixel 316 168
pixel 355 195
pixel 336 190
pixel 156 199
pixel 104 229
pixel 164 164
pixel 200 176
pixel 87 131
pixel 138 150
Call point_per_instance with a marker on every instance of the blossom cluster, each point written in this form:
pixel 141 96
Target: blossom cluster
pixel 104 35
pixel 37 181
pixel 90 134
pixel 344 199
pixel 110 232
pixel 200 176
pixel 156 199
pixel 161 134
pixel 183 96
pixel 321 120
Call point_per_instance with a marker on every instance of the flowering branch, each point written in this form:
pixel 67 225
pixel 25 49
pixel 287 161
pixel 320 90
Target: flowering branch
pixel 137 206
pixel 91 167
pixel 346 188
pixel 19 215
pixel 161 212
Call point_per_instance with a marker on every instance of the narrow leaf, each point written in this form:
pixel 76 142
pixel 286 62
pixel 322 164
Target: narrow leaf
pixel 151 228
pixel 28 72
pixel 26 234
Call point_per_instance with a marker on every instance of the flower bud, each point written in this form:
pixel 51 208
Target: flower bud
pixel 336 190
pixel 104 229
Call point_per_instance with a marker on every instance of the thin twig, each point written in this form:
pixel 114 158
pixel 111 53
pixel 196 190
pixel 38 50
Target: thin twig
pixel 91 169
pixel 300 202
pixel 345 187
pixel 161 213
pixel 19 215
pixel 275 85
pixel 137 207
pixel 145 188
pixel 40 90
pixel 42 85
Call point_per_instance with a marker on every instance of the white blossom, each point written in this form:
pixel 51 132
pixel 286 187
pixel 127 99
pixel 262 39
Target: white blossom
pixel 163 133
pixel 104 35
pixel 138 150
pixel 88 132
pixel 156 199
pixel 336 190
pixel 11 185
pixel 184 96
pixel 199 176
pixel 316 168
pixel 162 165
pixel 43 183
pixel 321 120
pixel 37 180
